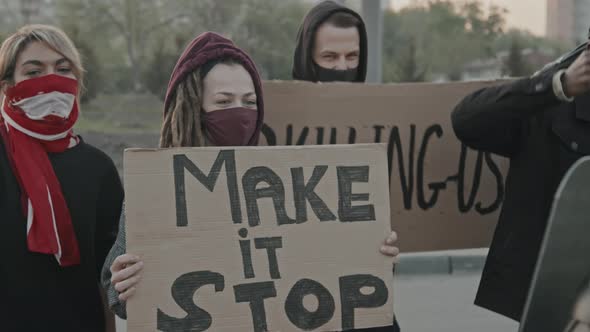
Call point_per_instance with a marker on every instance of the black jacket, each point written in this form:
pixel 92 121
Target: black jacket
pixel 36 294
pixel 303 68
pixel 524 121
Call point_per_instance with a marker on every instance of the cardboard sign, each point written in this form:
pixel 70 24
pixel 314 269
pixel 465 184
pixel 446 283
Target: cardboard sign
pixel 443 195
pixel 260 238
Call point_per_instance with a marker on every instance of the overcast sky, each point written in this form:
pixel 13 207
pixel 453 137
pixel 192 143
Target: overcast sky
pixel 524 14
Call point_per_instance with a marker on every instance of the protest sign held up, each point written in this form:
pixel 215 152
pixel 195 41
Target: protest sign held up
pixel 443 194
pixel 261 238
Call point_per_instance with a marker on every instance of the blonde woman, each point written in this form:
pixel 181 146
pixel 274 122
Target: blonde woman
pixel 60 198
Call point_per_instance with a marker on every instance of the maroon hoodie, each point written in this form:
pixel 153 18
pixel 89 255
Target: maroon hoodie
pixel 210 46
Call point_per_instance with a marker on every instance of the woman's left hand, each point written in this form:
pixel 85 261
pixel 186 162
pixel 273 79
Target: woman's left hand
pixel 388 248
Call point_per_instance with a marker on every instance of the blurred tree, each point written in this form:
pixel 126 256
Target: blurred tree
pixel 266 29
pixel 272 48
pixel 528 40
pixel 438 39
pixel 408 67
pixel 515 65
pixel 92 66
pixel 137 42
pixel 137 21
pixel 16 13
pixel 93 74
pixel 158 72
pixel 129 24
pixel 247 22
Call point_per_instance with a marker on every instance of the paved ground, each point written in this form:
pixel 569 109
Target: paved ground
pixel 439 303
pixel 444 303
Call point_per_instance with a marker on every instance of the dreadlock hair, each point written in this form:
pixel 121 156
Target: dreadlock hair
pixel 183 125
pixel 182 122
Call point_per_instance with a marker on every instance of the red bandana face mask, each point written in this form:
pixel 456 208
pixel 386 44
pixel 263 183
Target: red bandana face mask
pixel 37 117
pixel 230 127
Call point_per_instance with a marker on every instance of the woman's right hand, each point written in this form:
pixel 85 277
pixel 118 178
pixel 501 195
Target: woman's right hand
pixel 126 272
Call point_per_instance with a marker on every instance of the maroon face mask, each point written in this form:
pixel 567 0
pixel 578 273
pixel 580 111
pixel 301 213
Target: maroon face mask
pixel 231 126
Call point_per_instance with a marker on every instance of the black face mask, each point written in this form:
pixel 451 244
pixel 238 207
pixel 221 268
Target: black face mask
pixel 335 75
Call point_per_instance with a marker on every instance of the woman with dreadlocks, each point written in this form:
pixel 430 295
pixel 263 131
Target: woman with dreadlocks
pixel 214 98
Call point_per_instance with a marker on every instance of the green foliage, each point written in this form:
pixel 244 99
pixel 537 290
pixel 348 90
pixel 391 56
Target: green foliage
pixel 157 74
pixel 93 74
pixel 527 40
pixel 515 64
pixel 269 33
pixel 266 29
pixel 136 43
pixel 439 38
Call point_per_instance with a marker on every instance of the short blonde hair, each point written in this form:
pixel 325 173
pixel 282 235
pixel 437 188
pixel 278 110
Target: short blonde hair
pixel 51 36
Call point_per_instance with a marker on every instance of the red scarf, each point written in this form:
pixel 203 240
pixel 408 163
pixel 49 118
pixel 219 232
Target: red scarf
pixel 46 99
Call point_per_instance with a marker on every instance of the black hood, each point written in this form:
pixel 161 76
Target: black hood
pixel 303 65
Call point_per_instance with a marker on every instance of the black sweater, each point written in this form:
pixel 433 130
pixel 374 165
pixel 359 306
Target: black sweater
pixel 36 294
pixel 524 121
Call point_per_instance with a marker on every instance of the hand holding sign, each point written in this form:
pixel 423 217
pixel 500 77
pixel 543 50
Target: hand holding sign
pixel 244 238
pixel 388 248
pixel 126 273
pixel 127 269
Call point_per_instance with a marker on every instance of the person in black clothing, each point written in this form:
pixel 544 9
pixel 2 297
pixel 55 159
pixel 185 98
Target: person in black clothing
pixel 331 45
pixel 60 198
pixel 542 124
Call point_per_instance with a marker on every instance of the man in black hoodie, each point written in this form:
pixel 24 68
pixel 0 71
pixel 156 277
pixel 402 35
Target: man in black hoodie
pixel 331 45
